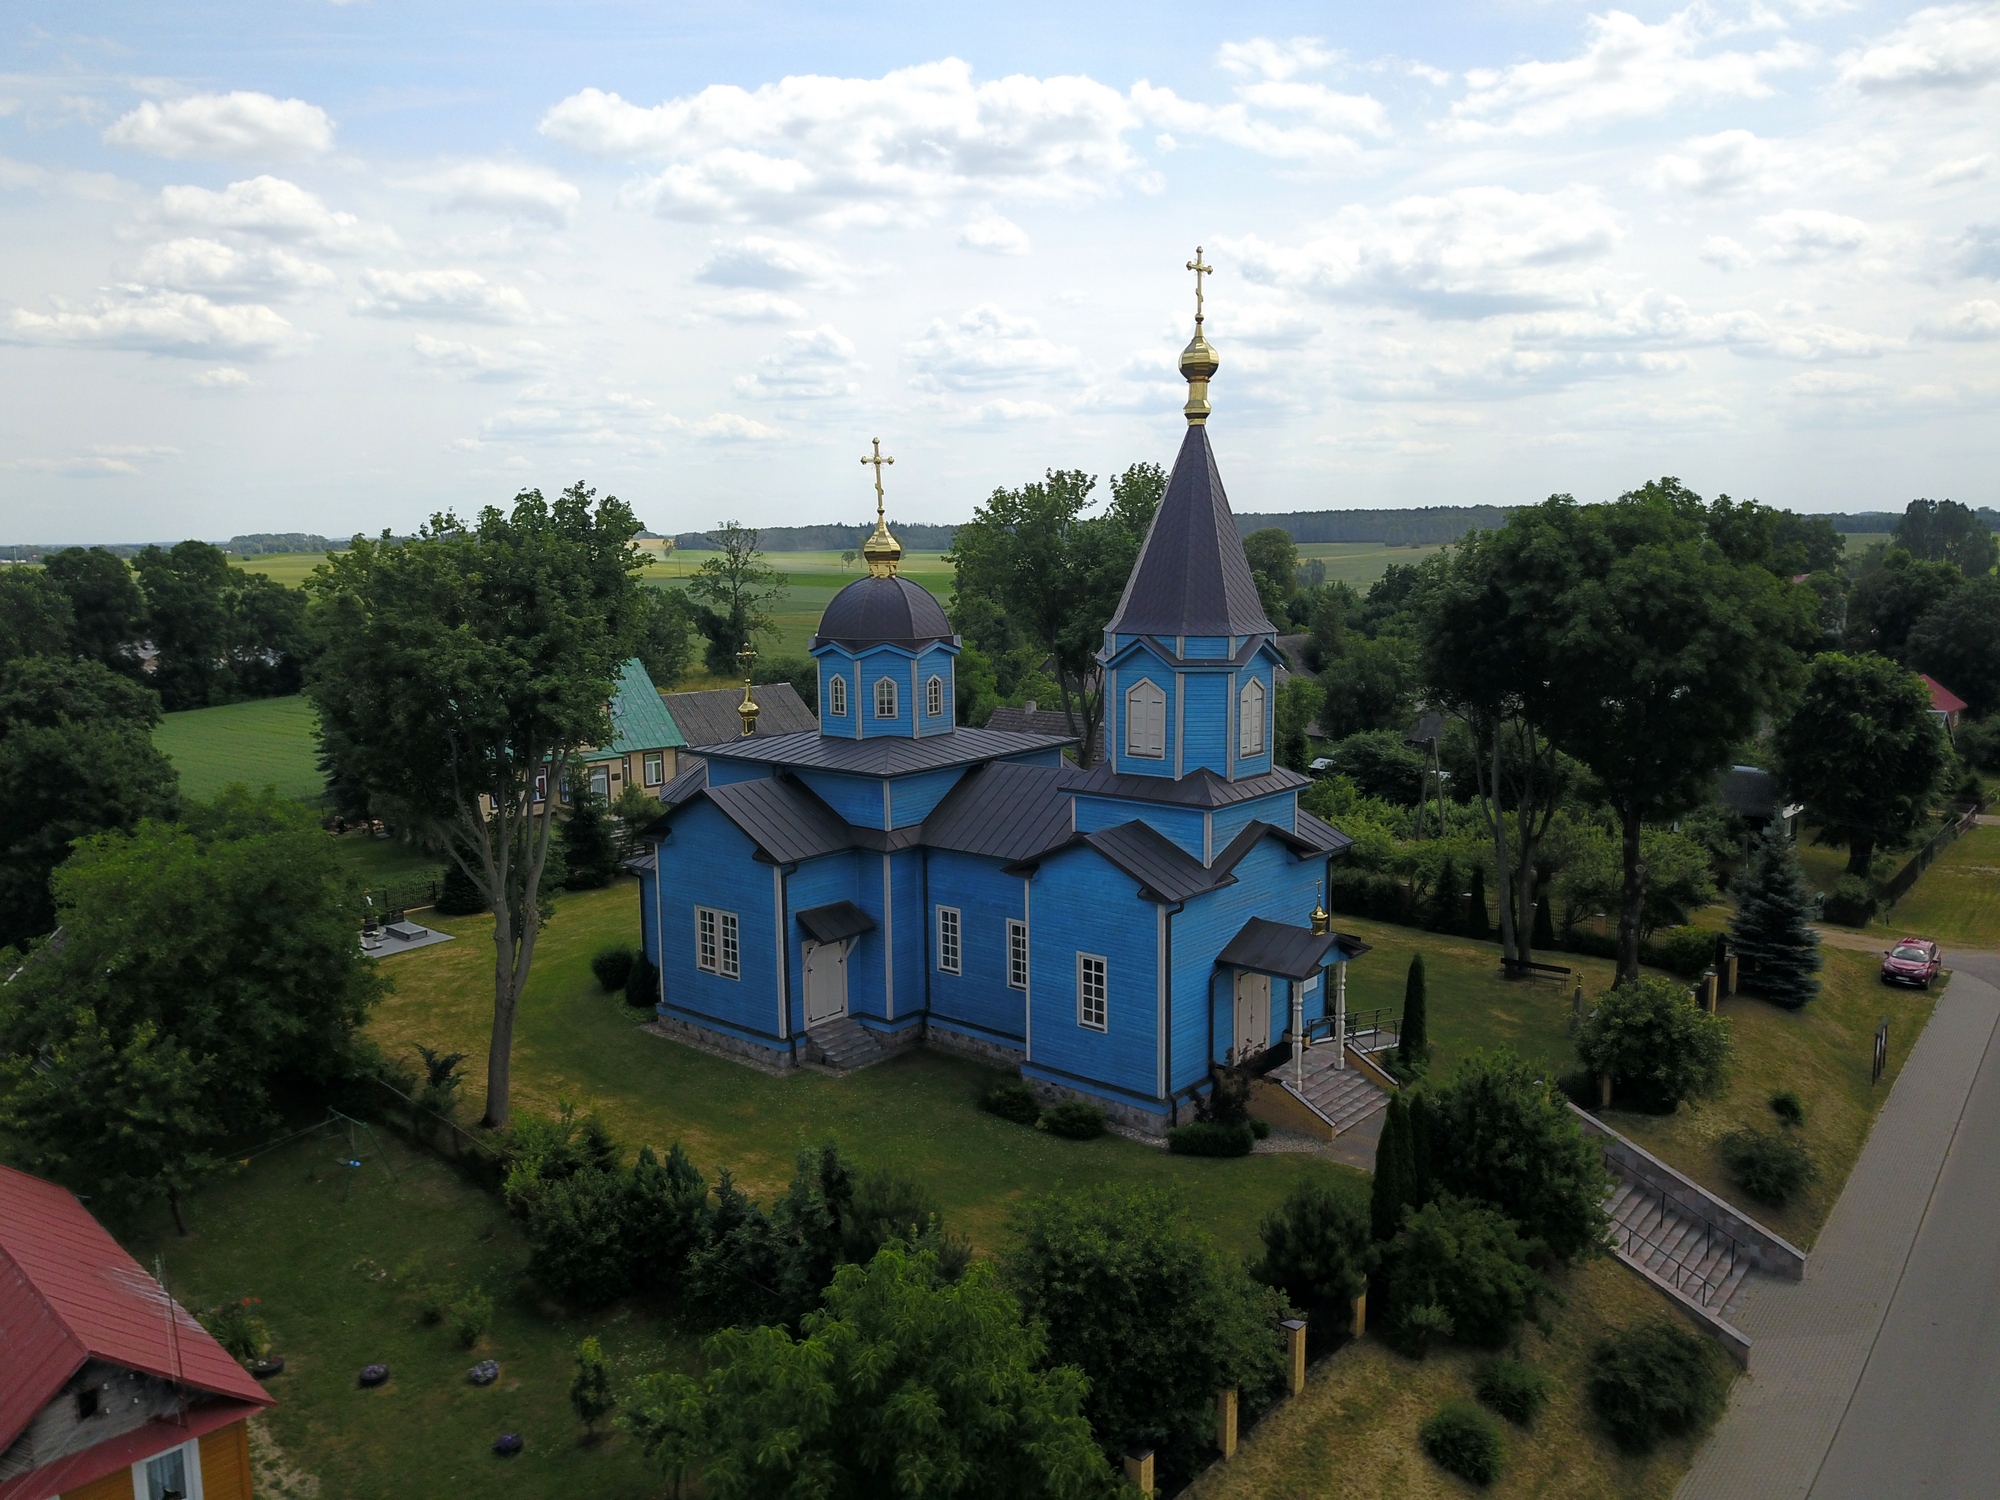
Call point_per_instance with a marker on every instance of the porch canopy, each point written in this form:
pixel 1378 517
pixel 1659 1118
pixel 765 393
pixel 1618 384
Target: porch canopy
pixel 835 922
pixel 1266 947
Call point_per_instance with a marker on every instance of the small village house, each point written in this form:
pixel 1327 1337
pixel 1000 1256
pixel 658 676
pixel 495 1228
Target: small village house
pixel 1946 705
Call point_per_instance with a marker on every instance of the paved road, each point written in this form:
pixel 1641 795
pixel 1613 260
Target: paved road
pixel 1879 1374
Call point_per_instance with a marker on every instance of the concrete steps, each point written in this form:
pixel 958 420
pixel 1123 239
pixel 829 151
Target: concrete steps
pixel 843 1044
pixel 1676 1245
pixel 1342 1097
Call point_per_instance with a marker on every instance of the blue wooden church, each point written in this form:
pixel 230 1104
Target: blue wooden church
pixel 896 879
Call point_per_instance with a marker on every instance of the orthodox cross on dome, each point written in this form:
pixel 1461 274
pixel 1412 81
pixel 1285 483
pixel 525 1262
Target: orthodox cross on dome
pixel 1200 271
pixel 882 551
pixel 1198 360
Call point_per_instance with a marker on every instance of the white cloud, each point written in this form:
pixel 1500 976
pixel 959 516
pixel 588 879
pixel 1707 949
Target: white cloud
pixel 223 378
pixel 1659 319
pixel 521 357
pixel 1975 321
pixel 1833 383
pixel 1944 47
pixel 813 364
pixel 100 187
pixel 1809 234
pixel 1721 251
pixel 772 264
pixel 1002 412
pixel 239 126
pixel 1261 57
pixel 1729 164
pixel 567 416
pixel 728 427
pixel 985 348
pixel 229 274
pixel 1979 251
pixel 1627 70
pixel 178 323
pixel 993 233
pixel 512 189
pixel 102 461
pixel 1299 121
pixel 271 208
pixel 460 296
pixel 1965 169
pixel 1470 253
pixel 754 307
pixel 1269 325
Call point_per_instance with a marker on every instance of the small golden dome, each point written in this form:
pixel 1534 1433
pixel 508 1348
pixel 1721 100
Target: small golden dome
pixel 1198 361
pixel 882 552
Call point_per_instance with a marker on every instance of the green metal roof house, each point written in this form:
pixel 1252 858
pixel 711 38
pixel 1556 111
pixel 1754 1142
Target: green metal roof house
pixel 645 743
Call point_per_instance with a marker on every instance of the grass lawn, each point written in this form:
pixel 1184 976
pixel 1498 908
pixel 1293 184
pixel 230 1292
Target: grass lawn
pixel 288 568
pixel 267 741
pixel 1957 900
pixel 1353 1431
pixel 333 1254
pixel 387 864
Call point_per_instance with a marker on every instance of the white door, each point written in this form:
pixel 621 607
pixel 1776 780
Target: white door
pixel 826 981
pixel 1253 1015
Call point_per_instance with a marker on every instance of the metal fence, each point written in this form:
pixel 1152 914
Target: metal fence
pixel 1922 860
pixel 408 895
pixel 438 1133
pixel 1367 1030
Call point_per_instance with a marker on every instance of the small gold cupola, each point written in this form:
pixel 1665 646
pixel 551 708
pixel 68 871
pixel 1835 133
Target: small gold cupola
pixel 1198 361
pixel 749 708
pixel 1322 920
pixel 882 552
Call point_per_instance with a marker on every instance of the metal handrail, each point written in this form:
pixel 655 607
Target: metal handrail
pixel 1673 1266
pixel 1374 1023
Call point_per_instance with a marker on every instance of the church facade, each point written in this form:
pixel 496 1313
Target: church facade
pixel 1112 931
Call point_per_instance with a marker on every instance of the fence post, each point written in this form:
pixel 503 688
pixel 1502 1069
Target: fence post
pixel 1881 1060
pixel 1710 986
pixel 1604 1091
pixel 1225 1422
pixel 1139 1469
pixel 1295 1351
pixel 1360 1314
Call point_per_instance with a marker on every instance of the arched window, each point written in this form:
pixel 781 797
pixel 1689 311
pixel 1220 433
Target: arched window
pixel 1250 719
pixel 934 697
pixel 836 696
pixel 885 697
pixel 1145 720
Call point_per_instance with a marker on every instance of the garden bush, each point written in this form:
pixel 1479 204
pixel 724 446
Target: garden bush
pixel 1686 951
pixel 1365 893
pixel 1516 1390
pixel 1013 1099
pixel 1657 1380
pixel 1658 1046
pixel 612 966
pixel 642 985
pixel 578 1228
pixel 1205 1138
pixel 1767 1165
pixel 471 1316
pixel 1850 903
pixel 1074 1119
pixel 1467 1259
pixel 459 896
pixel 1316 1252
pixel 1463 1440
pixel 240 1328
pixel 1787 1106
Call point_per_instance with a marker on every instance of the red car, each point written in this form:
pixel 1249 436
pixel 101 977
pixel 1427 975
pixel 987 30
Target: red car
pixel 1912 961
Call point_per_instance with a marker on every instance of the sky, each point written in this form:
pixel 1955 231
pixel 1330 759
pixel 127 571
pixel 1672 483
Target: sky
pixel 302 266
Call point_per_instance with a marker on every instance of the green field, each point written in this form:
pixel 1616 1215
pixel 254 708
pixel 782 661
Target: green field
pixel 268 741
pixel 288 568
pixel 1358 564
pixel 1957 900
pixel 811 581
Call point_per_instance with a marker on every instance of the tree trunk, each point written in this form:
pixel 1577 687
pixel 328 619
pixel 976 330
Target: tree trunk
pixel 1860 854
pixel 174 1202
pixel 1634 904
pixel 1500 854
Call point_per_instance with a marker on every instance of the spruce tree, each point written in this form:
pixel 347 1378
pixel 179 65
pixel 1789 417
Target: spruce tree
pixel 1772 930
pixel 1477 924
pixel 1422 1146
pixel 1445 914
pixel 1392 1173
pixel 589 843
pixel 460 896
pixel 1413 1049
pixel 1545 927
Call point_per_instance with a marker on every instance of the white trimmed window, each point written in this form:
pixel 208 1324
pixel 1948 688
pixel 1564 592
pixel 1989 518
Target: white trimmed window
pixel 541 786
pixel 1017 955
pixel 656 769
pixel 1250 719
pixel 1093 992
pixel 600 781
pixel 885 697
pixel 836 696
pixel 934 697
pixel 175 1473
pixel 1145 720
pixel 716 948
pixel 949 948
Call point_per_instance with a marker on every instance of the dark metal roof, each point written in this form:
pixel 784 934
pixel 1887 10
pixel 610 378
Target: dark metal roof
pixel 1192 577
pixel 1267 947
pixel 835 921
pixel 1321 834
pixel 692 778
pixel 1749 792
pixel 708 718
pixel 887 755
pixel 883 612
pixel 1029 719
pixel 1007 812
pixel 1201 787
pixel 1164 870
pixel 785 820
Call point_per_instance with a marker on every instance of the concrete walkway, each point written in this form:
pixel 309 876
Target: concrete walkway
pixel 1879 1373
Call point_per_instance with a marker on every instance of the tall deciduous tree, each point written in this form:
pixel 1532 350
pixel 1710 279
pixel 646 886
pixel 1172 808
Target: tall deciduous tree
pixel 104 598
pixel 35 617
pixel 735 588
pixel 1957 641
pixel 1863 752
pixel 1885 605
pixel 1948 532
pixel 1274 563
pixel 462 670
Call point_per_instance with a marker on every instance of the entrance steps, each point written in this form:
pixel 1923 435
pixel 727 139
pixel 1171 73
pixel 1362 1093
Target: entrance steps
pixel 843 1044
pixel 1340 1097
pixel 1687 1252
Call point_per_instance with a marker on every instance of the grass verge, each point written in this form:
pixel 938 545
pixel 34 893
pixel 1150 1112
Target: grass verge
pixel 1957 900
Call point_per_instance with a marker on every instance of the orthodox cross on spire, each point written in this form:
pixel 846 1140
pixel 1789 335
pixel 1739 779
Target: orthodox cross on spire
pixel 882 551
pixel 1198 361
pixel 1200 271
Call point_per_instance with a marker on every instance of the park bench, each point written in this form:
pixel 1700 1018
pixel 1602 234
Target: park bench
pixel 1513 968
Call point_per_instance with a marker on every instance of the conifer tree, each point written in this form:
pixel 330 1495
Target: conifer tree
pixel 1772 931
pixel 1422 1147
pixel 1445 914
pixel 1392 1173
pixel 1413 1049
pixel 1545 928
pixel 1477 924
pixel 589 843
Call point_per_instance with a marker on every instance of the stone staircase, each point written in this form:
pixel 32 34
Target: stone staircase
pixel 843 1044
pixel 1342 1097
pixel 1668 1239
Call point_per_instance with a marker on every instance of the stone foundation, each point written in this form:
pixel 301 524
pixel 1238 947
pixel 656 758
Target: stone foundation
pixel 721 1044
pixel 980 1049
pixel 1128 1116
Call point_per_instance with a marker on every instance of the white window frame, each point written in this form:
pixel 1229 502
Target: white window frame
pixel 656 768
pixel 601 770
pixel 707 940
pixel 1146 720
pixel 934 697
pixel 1017 955
pixel 836 695
pixel 885 693
pixel 1093 992
pixel 1250 726
pixel 541 786
pixel 950 941
pixel 732 946
pixel 190 1452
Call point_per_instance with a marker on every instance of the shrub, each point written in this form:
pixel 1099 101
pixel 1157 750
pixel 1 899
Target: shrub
pixel 1979 742
pixel 1787 1106
pixel 1657 1380
pixel 1769 1166
pixel 1261 1129
pixel 1466 1259
pixel 1316 1253
pixel 642 984
pixel 1686 951
pixel 471 1316
pixel 1013 1099
pixel 1205 1138
pixel 1463 1440
pixel 1850 903
pixel 459 896
pixel 240 1329
pixel 1413 1044
pixel 1516 1390
pixel 578 1226
pixel 1419 1325
pixel 1074 1119
pixel 1227 1101
pixel 1658 1045
pixel 590 1387
pixel 612 966
pixel 1365 893
pixel 433 1302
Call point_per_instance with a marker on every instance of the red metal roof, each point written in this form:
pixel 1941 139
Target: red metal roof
pixel 1943 699
pixel 68 1293
pixel 80 1469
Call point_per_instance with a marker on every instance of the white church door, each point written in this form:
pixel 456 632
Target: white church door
pixel 826 981
pixel 1253 1015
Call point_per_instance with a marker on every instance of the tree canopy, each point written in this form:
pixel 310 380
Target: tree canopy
pixel 1947 532
pixel 732 593
pixel 1957 641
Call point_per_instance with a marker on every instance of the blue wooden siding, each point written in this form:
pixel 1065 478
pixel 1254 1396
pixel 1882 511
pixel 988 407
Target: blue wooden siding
pixel 977 1000
pixel 913 942
pixel 833 662
pixel 1205 722
pixel 723 769
pixel 820 882
pixel 913 797
pixel 935 662
pixel 1260 670
pixel 1183 825
pixel 730 880
pixel 1143 665
pixel 875 665
pixel 1276 810
pixel 858 799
